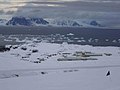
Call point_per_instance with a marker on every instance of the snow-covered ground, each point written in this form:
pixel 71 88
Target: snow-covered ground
pixel 34 66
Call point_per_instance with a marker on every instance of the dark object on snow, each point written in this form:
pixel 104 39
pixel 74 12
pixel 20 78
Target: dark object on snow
pixel 23 48
pixel 16 75
pixel 3 49
pixel 43 72
pixel 37 61
pixel 34 51
pixel 108 73
pixel 15 47
pixel 108 54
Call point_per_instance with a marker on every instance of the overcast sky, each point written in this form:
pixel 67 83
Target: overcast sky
pixel 75 9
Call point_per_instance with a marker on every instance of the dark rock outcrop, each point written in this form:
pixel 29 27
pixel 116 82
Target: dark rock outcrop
pixel 19 21
pixel 3 49
pixel 94 23
pixel 23 21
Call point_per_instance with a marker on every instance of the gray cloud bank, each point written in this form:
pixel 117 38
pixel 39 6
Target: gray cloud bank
pixel 73 9
pixel 107 11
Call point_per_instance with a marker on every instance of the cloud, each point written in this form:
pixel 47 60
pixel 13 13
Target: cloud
pixel 1 11
pixel 90 9
pixel 103 10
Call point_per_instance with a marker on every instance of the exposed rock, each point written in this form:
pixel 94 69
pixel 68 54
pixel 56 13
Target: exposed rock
pixel 34 51
pixel 3 49
pixel 94 23
pixel 23 21
pixel 23 48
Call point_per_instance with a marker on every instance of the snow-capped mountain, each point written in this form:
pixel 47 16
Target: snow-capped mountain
pixel 27 21
pixel 19 21
pixel 23 21
pixel 38 21
pixel 93 23
pixel 3 22
pixel 74 23
pixel 65 23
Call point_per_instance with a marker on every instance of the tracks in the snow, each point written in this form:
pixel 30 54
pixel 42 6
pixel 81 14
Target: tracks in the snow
pixel 30 72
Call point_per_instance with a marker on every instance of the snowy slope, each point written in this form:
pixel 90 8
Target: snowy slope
pixel 65 23
pixel 18 73
pixel 74 23
pixel 3 22
pixel 82 80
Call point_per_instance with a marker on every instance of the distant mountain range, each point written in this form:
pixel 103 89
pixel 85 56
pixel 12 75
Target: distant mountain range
pixel 75 23
pixel 23 21
pixel 18 21
pixel 66 23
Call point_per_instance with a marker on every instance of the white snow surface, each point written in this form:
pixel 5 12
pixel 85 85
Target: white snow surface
pixel 18 72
